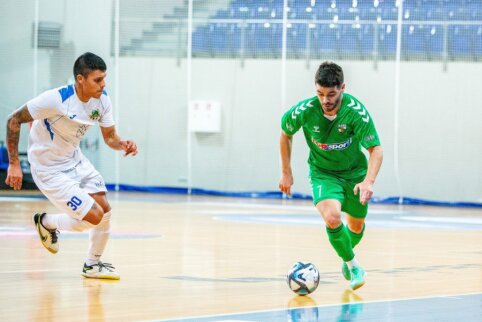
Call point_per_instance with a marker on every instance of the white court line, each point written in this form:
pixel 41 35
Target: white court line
pixel 29 199
pixel 240 212
pixel 33 271
pixel 453 220
pixel 318 306
pixel 276 220
pixel 9 229
pixel 68 270
pixel 224 204
pixel 281 207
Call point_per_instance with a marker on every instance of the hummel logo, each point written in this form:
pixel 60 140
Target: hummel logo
pixel 72 117
pixel 316 129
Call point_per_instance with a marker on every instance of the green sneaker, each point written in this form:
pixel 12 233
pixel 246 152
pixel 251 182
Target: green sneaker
pixel 357 277
pixel 345 271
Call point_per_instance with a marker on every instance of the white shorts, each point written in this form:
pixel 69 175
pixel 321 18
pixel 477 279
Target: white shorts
pixel 69 189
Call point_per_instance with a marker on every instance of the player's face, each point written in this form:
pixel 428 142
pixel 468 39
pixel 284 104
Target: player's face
pixel 93 84
pixel 330 97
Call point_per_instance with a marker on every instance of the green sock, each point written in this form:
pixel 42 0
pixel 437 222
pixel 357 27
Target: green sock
pixel 355 238
pixel 340 240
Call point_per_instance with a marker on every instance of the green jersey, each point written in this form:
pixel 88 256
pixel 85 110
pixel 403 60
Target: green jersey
pixel 335 145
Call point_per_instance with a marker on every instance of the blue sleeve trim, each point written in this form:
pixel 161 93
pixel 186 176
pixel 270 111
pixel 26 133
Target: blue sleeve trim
pixel 279 195
pixel 66 92
pixel 3 157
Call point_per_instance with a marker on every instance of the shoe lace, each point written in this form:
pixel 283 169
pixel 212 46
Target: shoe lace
pixel 53 232
pixel 54 235
pixel 107 266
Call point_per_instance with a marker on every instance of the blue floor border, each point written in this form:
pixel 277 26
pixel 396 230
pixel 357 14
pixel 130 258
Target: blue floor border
pixel 279 195
pixel 446 308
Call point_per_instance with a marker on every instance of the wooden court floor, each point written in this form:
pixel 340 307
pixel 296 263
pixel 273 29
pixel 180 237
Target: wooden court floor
pixel 186 257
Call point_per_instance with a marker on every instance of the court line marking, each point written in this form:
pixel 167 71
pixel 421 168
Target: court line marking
pixel 29 199
pixel 319 306
pixel 67 270
pixel 282 207
pixel 222 204
pixel 325 275
pixel 262 217
pixel 451 220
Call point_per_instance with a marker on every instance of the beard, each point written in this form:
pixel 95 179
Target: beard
pixel 330 107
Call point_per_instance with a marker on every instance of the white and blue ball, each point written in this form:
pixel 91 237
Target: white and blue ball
pixel 303 278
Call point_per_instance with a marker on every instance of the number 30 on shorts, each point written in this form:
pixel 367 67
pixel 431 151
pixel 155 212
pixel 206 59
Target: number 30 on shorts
pixel 74 203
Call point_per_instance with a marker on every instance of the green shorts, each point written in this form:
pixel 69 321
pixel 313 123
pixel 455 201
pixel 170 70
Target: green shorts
pixel 326 186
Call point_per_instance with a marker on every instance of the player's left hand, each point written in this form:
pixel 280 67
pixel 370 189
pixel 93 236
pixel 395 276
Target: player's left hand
pixel 129 147
pixel 365 189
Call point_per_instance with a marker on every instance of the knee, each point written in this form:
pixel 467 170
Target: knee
pixel 331 216
pixel 104 206
pixel 101 200
pixel 356 227
pixel 95 215
pixel 332 221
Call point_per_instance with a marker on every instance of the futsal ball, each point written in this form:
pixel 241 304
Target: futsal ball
pixel 303 278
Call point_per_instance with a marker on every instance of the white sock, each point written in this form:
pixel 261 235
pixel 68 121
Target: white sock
pixel 65 222
pixel 352 263
pixel 98 237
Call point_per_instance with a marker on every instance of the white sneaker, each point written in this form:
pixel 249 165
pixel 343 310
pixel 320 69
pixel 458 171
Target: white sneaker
pixel 48 237
pixel 100 270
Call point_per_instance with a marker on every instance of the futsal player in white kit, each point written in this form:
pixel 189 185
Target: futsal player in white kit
pixel 61 117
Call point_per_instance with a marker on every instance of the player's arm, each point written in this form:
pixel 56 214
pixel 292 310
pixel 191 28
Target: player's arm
pixel 291 122
pixel 114 141
pixel 286 181
pixel 14 122
pixel 365 188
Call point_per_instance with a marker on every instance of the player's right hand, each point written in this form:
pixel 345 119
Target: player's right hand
pixel 129 147
pixel 285 183
pixel 14 176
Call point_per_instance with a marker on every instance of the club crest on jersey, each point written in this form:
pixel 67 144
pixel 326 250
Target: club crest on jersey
pixel 316 129
pixel 94 115
pixel 332 146
pixel 341 128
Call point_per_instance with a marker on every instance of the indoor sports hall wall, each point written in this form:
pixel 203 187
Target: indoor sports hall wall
pixel 431 134
pixel 439 124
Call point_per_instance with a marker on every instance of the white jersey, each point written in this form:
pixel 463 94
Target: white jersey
pixel 61 120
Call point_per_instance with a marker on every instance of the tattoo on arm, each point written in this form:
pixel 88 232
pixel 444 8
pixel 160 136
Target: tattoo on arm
pixel 15 120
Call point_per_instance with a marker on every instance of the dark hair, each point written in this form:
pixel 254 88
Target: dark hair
pixel 329 74
pixel 88 62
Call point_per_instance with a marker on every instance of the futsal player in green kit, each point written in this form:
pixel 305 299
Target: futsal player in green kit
pixel 336 125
